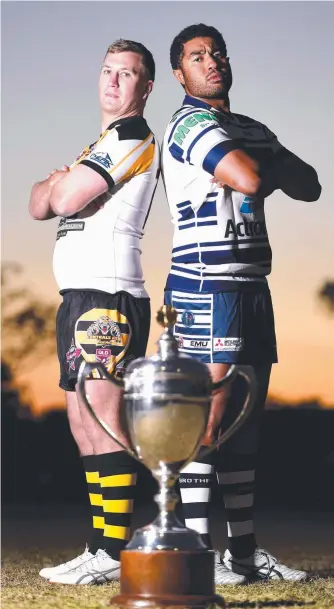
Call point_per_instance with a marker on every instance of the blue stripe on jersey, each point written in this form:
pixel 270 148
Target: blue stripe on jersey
pixel 186 214
pixel 190 271
pixel 186 226
pixel 207 222
pixel 191 258
pixel 217 153
pixel 199 286
pixel 190 214
pixel 198 137
pixel 184 247
pixel 176 152
pixel 190 331
pixel 212 194
pixel 239 256
pixel 214 244
pixel 208 208
pixel 175 282
pixel 183 204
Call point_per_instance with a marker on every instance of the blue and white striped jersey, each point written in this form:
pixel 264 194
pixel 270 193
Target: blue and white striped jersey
pixel 220 235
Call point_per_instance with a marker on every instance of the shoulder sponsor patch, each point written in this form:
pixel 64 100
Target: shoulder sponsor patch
pixel 195 119
pixel 101 158
pixel 228 344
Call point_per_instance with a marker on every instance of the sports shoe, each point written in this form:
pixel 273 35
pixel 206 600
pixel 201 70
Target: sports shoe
pixel 262 565
pixel 100 569
pixel 48 572
pixel 224 574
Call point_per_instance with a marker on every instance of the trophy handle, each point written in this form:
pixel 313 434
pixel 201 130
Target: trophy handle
pixel 84 371
pixel 229 376
pixel 248 373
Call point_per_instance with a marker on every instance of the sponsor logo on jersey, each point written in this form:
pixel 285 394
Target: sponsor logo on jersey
pixel 72 354
pixel 247 205
pixel 245 229
pixel 188 318
pixel 251 204
pixel 69 224
pixel 228 344
pixel 104 336
pixel 101 158
pixel 191 121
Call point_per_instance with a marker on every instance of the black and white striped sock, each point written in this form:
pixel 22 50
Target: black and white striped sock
pixel 235 466
pixel 195 486
pixel 236 478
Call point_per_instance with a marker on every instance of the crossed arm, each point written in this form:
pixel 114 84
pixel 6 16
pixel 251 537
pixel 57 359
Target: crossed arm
pixel 284 170
pixel 64 192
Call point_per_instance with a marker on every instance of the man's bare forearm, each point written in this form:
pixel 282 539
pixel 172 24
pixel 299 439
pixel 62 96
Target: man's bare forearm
pixel 39 204
pixel 39 207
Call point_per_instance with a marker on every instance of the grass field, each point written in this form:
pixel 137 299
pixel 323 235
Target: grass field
pixel 30 543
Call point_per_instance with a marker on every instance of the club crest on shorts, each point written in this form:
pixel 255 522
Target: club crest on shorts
pixel 188 318
pixel 103 329
pixel 72 354
pixel 104 336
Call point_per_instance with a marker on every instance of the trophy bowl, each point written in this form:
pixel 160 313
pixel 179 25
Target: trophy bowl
pixel 167 401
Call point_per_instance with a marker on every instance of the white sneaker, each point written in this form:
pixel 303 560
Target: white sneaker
pixel 48 572
pixel 100 569
pixel 263 565
pixel 224 574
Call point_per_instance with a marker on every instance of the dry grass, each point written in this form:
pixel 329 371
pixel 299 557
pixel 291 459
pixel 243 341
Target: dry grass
pixel 22 588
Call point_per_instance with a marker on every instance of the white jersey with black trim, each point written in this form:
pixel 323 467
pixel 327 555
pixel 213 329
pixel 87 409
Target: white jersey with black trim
pixel 99 247
pixel 220 235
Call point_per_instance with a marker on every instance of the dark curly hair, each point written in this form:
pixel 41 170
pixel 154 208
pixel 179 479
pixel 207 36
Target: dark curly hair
pixel 190 32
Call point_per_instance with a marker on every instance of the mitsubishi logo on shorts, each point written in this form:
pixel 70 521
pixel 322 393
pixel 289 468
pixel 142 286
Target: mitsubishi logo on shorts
pixel 228 344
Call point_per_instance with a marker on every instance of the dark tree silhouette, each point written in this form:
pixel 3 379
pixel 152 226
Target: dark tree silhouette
pixel 28 323
pixel 326 295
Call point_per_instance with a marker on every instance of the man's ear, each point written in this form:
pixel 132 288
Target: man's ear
pixel 179 76
pixel 148 89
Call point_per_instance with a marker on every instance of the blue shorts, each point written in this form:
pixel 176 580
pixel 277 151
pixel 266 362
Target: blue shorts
pixel 234 327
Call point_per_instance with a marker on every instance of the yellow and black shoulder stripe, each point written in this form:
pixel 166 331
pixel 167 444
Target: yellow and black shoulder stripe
pixel 125 150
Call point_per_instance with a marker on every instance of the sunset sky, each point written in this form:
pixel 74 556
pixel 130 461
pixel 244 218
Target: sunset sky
pixel 282 57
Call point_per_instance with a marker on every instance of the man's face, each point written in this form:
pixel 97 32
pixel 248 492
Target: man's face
pixel 123 83
pixel 204 71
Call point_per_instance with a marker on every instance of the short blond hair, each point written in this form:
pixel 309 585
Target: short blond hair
pixel 121 45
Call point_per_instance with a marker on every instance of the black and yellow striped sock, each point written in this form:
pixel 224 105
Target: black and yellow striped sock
pixel 118 479
pixel 91 465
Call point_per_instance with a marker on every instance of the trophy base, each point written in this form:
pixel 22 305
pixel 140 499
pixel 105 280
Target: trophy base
pixel 167 578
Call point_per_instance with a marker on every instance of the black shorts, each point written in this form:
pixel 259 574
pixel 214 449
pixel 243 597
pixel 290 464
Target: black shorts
pixel 95 326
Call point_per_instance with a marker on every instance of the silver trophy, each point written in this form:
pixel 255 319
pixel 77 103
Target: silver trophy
pixel 167 401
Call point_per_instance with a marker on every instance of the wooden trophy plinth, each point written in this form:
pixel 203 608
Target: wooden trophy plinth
pixel 167 578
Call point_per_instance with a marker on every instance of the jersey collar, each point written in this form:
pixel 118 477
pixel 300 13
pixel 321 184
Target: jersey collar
pixel 193 101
